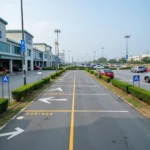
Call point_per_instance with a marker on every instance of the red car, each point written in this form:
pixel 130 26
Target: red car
pixel 107 72
pixel 4 70
pixel 148 70
pixel 37 68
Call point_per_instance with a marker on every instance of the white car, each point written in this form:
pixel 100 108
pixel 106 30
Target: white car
pixel 98 67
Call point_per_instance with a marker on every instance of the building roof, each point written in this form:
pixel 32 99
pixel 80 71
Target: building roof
pixel 19 31
pixel 40 44
pixel 3 21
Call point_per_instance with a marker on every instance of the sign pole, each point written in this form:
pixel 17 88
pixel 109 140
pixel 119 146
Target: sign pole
pixel 2 89
pixel 9 89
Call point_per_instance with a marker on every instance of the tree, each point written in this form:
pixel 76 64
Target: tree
pixel 122 60
pixel 112 61
pixel 146 60
pixel 102 60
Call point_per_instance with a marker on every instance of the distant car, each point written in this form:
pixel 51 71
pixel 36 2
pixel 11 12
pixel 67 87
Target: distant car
pixel 147 77
pixel 4 70
pixel 87 66
pixel 98 67
pixel 37 68
pixel 107 72
pixel 148 70
pixel 138 69
pixel 123 66
pixel 17 69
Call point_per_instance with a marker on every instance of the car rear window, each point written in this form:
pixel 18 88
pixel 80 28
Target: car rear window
pixel 107 71
pixel 141 67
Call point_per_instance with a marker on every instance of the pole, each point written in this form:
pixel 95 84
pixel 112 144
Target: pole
pixel 2 89
pixel 23 59
pixel 9 89
pixel 94 56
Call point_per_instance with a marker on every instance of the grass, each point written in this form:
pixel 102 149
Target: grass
pixel 15 107
pixel 142 107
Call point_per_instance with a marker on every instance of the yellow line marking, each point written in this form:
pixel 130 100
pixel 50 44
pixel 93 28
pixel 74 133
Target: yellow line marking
pixel 46 111
pixel 72 118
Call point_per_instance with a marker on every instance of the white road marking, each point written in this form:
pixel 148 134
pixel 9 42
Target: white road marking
pixel 46 100
pixel 12 134
pixel 57 89
pixel 20 117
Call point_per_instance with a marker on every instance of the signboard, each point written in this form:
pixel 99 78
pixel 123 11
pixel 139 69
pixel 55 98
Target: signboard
pixel 22 45
pixel 136 78
pixel 5 79
pixel 126 57
pixel 57 59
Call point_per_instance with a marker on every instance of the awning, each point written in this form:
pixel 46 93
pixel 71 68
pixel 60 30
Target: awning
pixel 10 57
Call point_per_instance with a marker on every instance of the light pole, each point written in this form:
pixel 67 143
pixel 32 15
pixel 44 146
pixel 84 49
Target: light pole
pixel 127 37
pixel 86 57
pixel 23 53
pixel 69 56
pixel 102 51
pixel 94 56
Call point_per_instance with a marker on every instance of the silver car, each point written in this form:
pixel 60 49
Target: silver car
pixel 138 69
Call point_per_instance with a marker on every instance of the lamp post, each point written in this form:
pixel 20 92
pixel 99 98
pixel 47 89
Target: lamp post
pixel 23 53
pixel 102 51
pixel 94 56
pixel 126 37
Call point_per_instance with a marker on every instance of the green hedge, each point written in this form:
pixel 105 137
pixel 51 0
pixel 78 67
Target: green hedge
pixel 140 93
pixel 75 68
pixel 95 73
pixel 22 91
pixel 121 85
pixel 38 84
pixel 49 68
pixel 46 80
pixel 3 104
pixel 91 71
pixel 52 76
pixel 105 78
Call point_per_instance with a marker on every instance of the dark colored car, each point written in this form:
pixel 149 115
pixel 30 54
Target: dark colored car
pixel 147 77
pixel 4 70
pixel 107 72
pixel 37 68
pixel 17 69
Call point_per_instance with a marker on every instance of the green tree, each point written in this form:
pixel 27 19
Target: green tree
pixel 112 61
pixel 146 60
pixel 122 60
pixel 102 60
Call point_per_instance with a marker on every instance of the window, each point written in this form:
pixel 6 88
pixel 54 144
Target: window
pixel 16 50
pixel 4 47
pixel 0 34
pixel 45 56
pixel 28 52
pixel 34 54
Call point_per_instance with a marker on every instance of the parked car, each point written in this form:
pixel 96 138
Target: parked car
pixel 123 66
pixel 98 67
pixel 37 68
pixel 4 70
pixel 147 77
pixel 148 70
pixel 17 69
pixel 138 69
pixel 107 72
pixel 87 66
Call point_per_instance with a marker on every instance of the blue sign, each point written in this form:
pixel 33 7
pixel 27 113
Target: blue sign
pixel 57 59
pixel 5 79
pixel 22 45
pixel 126 57
pixel 136 78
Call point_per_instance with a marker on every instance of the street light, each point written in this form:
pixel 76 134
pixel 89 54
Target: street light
pixel 57 31
pixel 127 37
pixel 23 53
pixel 94 56
pixel 86 57
pixel 102 51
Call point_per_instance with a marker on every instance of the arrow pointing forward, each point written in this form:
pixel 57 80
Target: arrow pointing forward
pixel 46 100
pixel 57 89
pixel 12 134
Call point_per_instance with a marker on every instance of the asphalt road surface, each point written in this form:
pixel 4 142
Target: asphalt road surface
pixel 127 76
pixel 16 80
pixel 77 113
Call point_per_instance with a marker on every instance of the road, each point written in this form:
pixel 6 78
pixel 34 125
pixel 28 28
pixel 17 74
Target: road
pixel 127 76
pixel 77 113
pixel 17 80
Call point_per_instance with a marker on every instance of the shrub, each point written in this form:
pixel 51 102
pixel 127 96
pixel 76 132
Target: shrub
pixel 140 93
pixel 52 76
pixel 95 73
pixel 49 68
pixel 3 104
pixel 46 80
pixel 75 68
pixel 86 69
pixel 91 71
pixel 38 84
pixel 22 91
pixel 105 78
pixel 121 85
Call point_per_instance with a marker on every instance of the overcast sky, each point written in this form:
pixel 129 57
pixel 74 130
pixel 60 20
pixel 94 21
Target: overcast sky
pixel 86 25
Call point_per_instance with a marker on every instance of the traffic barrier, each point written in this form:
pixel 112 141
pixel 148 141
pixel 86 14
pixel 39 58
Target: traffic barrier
pixel 121 85
pixel 3 104
pixel 140 93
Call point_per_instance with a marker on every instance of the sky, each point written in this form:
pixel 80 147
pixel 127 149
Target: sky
pixel 86 25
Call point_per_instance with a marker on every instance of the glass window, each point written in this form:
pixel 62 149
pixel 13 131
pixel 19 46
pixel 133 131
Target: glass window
pixel 45 55
pixel 16 50
pixel 34 54
pixel 4 47
pixel 28 52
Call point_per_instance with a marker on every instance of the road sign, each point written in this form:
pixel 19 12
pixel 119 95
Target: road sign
pixel 5 79
pixel 126 57
pixel 22 45
pixel 136 78
pixel 57 59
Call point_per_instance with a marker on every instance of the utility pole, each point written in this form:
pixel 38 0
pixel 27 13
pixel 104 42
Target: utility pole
pixel 102 51
pixel 23 53
pixel 127 37
pixel 72 60
pixel 69 56
pixel 94 56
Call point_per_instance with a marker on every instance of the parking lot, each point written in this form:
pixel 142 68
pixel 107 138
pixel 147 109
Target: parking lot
pixel 127 76
pixel 16 80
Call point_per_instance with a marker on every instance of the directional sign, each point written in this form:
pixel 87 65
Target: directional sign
pixel 12 134
pixel 22 45
pixel 5 79
pixel 46 100
pixel 126 57
pixel 57 59
pixel 57 89
pixel 136 78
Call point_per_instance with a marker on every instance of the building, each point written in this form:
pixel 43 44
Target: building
pixel 39 54
pixel 138 58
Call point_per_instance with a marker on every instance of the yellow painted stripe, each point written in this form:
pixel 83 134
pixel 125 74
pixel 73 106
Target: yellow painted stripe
pixel 45 111
pixel 72 119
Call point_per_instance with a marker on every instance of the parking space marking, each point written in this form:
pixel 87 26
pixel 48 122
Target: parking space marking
pixel 38 113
